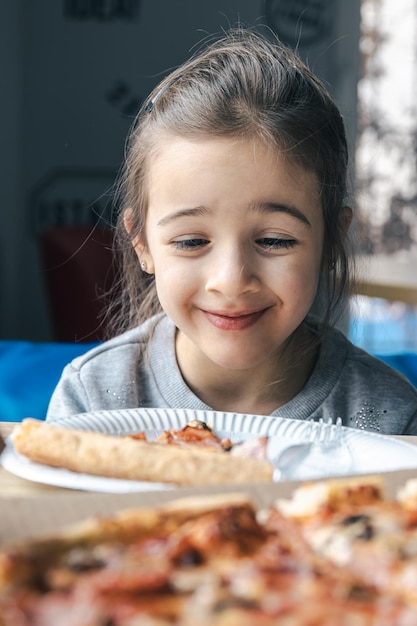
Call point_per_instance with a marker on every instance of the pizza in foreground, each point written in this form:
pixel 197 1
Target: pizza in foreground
pixel 193 455
pixel 336 554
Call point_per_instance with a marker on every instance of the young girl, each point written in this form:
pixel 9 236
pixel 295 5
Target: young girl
pixel 233 228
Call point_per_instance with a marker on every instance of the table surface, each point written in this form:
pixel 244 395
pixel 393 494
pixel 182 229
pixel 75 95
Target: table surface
pixel 11 485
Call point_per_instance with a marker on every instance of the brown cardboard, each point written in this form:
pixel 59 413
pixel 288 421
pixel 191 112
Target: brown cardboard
pixel 22 516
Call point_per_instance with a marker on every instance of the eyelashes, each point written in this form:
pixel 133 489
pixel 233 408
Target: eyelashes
pixel 265 243
pixel 190 244
pixel 276 243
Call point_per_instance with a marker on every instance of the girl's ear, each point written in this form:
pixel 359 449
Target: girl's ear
pixel 139 244
pixel 128 220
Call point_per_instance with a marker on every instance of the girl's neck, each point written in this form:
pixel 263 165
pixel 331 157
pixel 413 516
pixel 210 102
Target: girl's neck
pixel 259 391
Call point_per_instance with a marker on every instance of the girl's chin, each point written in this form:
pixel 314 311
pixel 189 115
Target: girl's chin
pixel 224 353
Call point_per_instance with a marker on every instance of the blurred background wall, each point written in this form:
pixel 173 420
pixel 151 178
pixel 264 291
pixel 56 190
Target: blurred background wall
pixel 74 73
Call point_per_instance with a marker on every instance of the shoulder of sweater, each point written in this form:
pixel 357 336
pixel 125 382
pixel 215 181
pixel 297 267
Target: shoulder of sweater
pixel 129 341
pixel 338 347
pixel 374 368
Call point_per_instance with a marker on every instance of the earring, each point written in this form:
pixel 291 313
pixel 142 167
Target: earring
pixel 332 266
pixel 143 266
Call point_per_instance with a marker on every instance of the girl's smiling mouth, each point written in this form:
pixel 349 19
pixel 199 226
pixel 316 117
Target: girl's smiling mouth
pixel 233 321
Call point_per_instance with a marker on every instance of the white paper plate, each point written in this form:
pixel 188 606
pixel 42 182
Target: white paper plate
pixel 370 452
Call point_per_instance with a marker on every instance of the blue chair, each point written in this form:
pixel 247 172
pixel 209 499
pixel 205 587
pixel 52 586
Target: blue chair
pixel 29 372
pixel 405 362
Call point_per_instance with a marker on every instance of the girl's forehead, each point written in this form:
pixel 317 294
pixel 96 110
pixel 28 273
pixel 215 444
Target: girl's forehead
pixel 169 150
pixel 225 171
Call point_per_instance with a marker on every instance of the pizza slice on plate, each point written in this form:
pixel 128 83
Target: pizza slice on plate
pixel 193 455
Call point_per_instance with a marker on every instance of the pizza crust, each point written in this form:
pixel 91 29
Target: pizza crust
pixel 309 499
pixel 127 458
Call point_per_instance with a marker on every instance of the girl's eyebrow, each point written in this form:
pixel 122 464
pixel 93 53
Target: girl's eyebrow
pixel 199 210
pixel 274 207
pixel 262 207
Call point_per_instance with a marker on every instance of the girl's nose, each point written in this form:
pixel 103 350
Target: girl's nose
pixel 232 273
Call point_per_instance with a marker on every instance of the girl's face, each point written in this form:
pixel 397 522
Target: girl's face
pixel 234 236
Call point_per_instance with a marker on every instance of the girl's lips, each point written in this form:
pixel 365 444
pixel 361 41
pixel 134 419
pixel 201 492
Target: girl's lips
pixel 233 322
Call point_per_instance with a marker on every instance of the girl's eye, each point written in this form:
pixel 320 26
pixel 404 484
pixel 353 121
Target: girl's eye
pixel 276 243
pixel 189 244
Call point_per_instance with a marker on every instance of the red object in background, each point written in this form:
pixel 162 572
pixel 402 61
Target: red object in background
pixel 79 269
